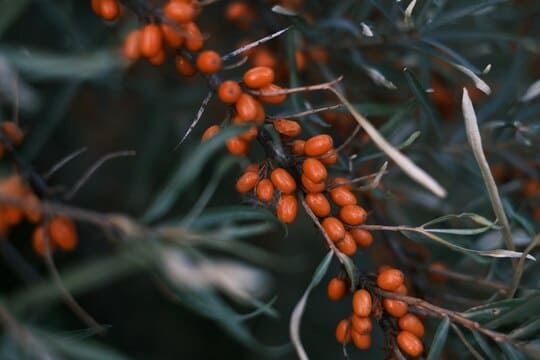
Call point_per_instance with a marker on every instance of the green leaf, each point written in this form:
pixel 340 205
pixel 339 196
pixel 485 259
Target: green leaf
pixel 517 314
pixel 486 348
pixel 528 329
pixel 472 216
pixel 296 316
pixel 439 339
pixel 186 172
pixel 45 66
pixel 486 312
pixel 233 214
pixel 460 13
pixel 350 268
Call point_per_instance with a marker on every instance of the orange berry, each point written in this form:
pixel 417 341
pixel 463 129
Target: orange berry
pixel 272 99
pixel 261 114
pixel 253 167
pixel 246 182
pixel 333 228
pixel 300 60
pixel 172 37
pixel 347 245
pixel 319 54
pixel 237 146
pixel 185 67
pixel 343 332
pixel 211 131
pixel 151 40
pixel 109 9
pixel 283 181
pixel 531 188
pixel 314 170
pixel 208 62
pixel 2 151
pixel 178 11
pixel 13 132
pixel 362 324
pixel 297 147
pixel 194 39
pixel 264 57
pixel 258 77
pixel 132 45
pixel 96 7
pixel 318 203
pixel 437 277
pixel 411 323
pixel 158 59
pixel 361 341
pixel 63 233
pixel 337 288
pixel 12 215
pixel 287 127
pixel 318 145
pixel 342 197
pixel 361 303
pixel 331 159
pixel 286 208
pixel 311 186
pixel 38 241
pixel 363 238
pixel 33 215
pixel 265 190
pixel 239 12
pixel 246 107
pixel 401 290
pixel 352 214
pixel 229 91
pixel 410 344
pixel 396 308
pixel 390 279
pixel 342 182
pixel 249 134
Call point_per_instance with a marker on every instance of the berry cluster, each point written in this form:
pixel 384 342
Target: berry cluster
pixel 366 303
pixel 10 216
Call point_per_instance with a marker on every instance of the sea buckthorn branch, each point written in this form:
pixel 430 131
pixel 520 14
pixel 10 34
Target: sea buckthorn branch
pixel 454 316
pixel 305 113
pixel 300 89
pixel 60 164
pixel 253 44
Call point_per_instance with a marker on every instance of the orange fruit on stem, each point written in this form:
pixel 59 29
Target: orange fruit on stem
pixel 318 203
pixel 318 145
pixel 283 181
pixel 258 77
pixel 314 170
pixel 208 62
pixel 334 228
pixel 411 323
pixel 287 208
pixel 352 214
pixel 361 303
pixel 390 279
pixel 265 190
pixel 337 288
pixel 63 232
pixel 229 91
pixel 410 344
pixel 246 182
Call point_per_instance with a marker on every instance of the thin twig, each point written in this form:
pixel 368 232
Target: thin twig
pixel 70 301
pixel 521 265
pixel 305 113
pixel 198 117
pixel 86 176
pixel 322 86
pixel 63 162
pixel 502 288
pixel 236 64
pixel 465 342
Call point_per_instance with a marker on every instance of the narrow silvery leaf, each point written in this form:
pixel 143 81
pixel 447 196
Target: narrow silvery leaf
pixel 408 12
pixel 532 92
pixel 379 78
pixel 479 83
pixel 366 30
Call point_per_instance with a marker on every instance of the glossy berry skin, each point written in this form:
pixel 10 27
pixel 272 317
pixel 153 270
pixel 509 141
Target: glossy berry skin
pixel 151 40
pixel 247 182
pixel 411 323
pixel 246 107
pixel 184 67
pixel 390 279
pixel 341 182
pixel 337 288
pixel 318 203
pixel 318 145
pixel 132 47
pixel 172 38
pixel 314 170
pixel 272 99
pixel 38 241
pixel 396 308
pixel 334 228
pixel 361 303
pixel 249 134
pixel 208 62
pixel 258 77
pixel 287 208
pixel 283 181
pixel 362 324
pixel 330 158
pixel 265 190
pixel 347 245
pixel 343 332
pixel 401 290
pixel 229 91
pixel 361 341
pixel 363 238
pixel 237 146
pixel 158 59
pixel 311 186
pixel 63 233
pixel 194 40
pixel 352 214
pixel 410 344
pixel 297 147
pixel 13 132
pixel 178 11
pixel 287 127
pixel 342 197
pixel 109 9
pixel 211 131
